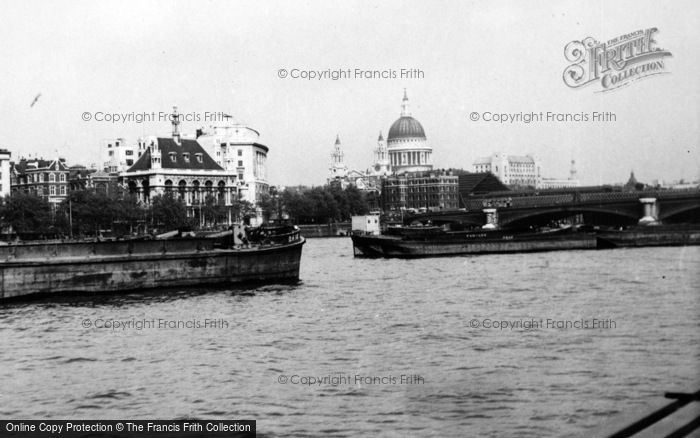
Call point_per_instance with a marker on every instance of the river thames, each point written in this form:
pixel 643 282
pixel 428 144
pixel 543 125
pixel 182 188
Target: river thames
pixel 546 344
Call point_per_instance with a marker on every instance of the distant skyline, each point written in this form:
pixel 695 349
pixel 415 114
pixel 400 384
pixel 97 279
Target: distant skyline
pixel 66 58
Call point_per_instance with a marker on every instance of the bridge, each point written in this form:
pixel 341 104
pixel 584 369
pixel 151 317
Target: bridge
pixel 616 208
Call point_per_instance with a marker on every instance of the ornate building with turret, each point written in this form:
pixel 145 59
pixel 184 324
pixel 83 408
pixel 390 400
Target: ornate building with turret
pixel 181 167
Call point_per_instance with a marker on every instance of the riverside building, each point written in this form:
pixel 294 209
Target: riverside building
pixel 512 170
pixel 236 148
pixel 45 178
pixel 421 191
pixel 183 168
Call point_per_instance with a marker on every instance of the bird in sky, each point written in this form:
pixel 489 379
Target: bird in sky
pixel 35 100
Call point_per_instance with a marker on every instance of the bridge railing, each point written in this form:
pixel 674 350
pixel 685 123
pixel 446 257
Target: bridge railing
pixel 614 196
pixel 626 196
pixel 519 202
pixel 502 200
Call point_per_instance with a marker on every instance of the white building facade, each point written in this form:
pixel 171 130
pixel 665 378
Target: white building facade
pixel 512 169
pixel 5 157
pixel 235 147
pixel 118 155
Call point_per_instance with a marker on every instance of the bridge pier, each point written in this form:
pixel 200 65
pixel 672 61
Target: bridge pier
pixel 491 219
pixel 651 211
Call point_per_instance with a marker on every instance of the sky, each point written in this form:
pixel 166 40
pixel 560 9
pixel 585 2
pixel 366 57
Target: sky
pixel 475 56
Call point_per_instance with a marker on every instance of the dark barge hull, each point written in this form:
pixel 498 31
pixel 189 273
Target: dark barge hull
pixel 655 235
pixel 480 243
pixel 106 267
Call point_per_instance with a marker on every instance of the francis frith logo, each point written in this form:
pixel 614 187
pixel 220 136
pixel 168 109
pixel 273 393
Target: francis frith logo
pixel 616 62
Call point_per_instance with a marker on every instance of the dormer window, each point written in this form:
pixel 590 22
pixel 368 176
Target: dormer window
pixel 186 157
pixel 173 156
pixel 200 159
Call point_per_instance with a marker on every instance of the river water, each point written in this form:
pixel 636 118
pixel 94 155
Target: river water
pixel 464 346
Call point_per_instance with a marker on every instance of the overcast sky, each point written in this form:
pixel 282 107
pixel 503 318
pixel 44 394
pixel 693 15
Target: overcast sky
pixel 499 56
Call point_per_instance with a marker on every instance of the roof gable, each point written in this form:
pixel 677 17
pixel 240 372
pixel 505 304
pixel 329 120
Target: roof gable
pixel 177 156
pixel 480 183
pixel 24 165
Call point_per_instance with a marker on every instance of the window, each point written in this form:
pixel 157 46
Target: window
pixel 186 157
pixel 240 152
pixel 63 190
pixel 240 163
pixel 128 152
pixel 63 177
pixel 111 153
pixel 199 157
pixel 52 190
pixel 173 157
pixel 240 177
pixel 129 162
pixel 52 177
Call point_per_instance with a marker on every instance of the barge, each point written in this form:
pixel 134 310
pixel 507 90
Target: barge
pixel 410 242
pixel 650 235
pixel 427 241
pixel 271 255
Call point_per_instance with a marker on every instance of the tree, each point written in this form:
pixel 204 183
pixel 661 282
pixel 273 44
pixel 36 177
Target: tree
pixel 169 213
pixel 87 212
pixel 214 210
pixel 324 204
pixel 269 204
pixel 27 214
pixel 242 209
pixel 128 213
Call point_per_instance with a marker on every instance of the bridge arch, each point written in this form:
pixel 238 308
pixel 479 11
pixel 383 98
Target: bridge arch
pixel 678 211
pixel 597 215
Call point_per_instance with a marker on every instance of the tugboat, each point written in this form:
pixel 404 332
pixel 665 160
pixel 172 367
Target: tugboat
pixel 265 254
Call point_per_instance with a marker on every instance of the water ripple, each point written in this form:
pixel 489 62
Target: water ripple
pixel 360 328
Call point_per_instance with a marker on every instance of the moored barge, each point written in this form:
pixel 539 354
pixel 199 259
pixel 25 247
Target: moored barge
pixel 272 255
pixel 410 242
pixel 650 235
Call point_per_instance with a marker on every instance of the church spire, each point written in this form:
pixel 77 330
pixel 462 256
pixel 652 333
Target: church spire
pixel 338 168
pixel 381 137
pixel 404 105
